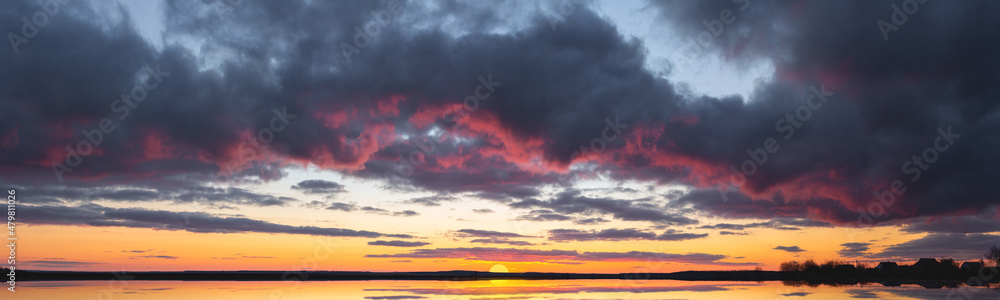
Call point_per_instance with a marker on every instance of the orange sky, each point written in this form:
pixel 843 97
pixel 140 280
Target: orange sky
pixel 116 248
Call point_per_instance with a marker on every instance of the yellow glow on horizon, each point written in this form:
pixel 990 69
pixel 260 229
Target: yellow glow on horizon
pixel 498 268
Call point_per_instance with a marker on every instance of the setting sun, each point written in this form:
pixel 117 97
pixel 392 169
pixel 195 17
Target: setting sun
pixel 498 268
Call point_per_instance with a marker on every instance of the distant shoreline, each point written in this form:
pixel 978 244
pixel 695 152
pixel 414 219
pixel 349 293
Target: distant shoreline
pixel 944 278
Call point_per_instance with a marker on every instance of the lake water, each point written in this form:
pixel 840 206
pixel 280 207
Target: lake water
pixel 498 289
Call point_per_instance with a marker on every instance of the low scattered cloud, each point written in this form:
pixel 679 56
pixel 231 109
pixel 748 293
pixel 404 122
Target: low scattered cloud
pixel 58 263
pixel 590 221
pixel 96 215
pixel 488 233
pixel 502 241
pixel 792 249
pixel 319 186
pixel 724 232
pixel 154 257
pixel 572 201
pixel 556 256
pixel 614 234
pixel 544 217
pixel 853 249
pixel 185 193
pixel 398 243
pixel 778 223
pixel 349 207
pixel 431 200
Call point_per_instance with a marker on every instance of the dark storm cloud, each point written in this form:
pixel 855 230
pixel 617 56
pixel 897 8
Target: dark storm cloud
pixel 319 186
pixel 890 97
pixel 988 221
pixel 398 243
pixel 266 63
pixel 791 249
pixel 738 205
pixel 96 215
pixel 307 75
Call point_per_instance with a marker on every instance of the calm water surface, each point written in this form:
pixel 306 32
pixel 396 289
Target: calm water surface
pixel 497 289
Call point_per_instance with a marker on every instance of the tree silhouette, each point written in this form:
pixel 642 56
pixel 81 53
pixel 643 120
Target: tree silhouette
pixel 994 255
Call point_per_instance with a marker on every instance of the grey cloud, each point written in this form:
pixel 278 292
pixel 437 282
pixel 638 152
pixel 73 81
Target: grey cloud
pixel 319 186
pixel 398 243
pixel 95 215
pixel 792 249
pixel 615 234
pixel 516 255
pixel 854 249
pixel 571 202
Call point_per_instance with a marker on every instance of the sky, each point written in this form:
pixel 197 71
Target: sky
pixel 552 136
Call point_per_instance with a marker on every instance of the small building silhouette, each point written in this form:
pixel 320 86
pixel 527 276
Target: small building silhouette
pixel 887 266
pixel 972 265
pixel 926 264
pixel 844 268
